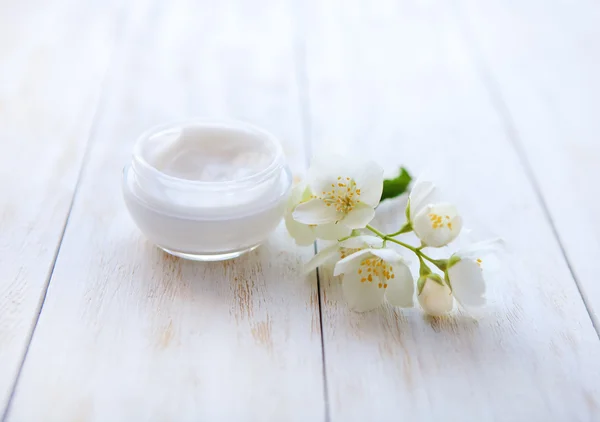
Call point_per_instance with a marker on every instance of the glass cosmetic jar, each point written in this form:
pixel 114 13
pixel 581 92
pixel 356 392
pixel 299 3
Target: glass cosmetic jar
pixel 207 191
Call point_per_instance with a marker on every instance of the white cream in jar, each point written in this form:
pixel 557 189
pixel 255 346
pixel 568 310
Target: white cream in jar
pixel 207 190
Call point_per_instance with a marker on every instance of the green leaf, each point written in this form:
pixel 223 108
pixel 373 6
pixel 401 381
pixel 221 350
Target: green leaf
pixel 396 186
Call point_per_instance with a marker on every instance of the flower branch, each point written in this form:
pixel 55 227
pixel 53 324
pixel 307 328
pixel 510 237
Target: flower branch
pixel 440 263
pixel 340 199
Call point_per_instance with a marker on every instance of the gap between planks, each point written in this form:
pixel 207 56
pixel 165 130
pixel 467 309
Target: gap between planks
pixel 498 102
pixel 302 83
pixel 123 16
pixel 92 143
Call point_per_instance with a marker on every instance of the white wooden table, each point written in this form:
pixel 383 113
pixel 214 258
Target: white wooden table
pixel 96 324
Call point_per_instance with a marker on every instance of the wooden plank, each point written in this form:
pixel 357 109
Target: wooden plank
pixel 129 333
pixel 546 72
pixel 53 58
pixel 395 82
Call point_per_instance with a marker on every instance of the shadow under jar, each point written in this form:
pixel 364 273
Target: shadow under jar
pixel 207 191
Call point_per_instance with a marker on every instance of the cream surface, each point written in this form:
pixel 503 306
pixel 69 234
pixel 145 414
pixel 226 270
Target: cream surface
pixel 208 155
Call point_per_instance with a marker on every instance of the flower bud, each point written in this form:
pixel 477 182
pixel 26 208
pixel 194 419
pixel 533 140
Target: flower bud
pixel 435 297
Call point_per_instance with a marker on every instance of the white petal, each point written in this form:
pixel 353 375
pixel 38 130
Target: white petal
pixel 362 241
pixel 488 253
pixel 421 195
pixel 436 300
pixel 315 211
pixel 329 164
pixel 359 217
pixel 387 254
pixel 401 288
pixel 303 234
pixel 352 262
pixel 369 179
pixel 481 249
pixel 296 195
pixel 306 194
pixel 322 257
pixel 433 232
pixel 364 296
pixel 325 170
pixel 332 231
pixel 468 285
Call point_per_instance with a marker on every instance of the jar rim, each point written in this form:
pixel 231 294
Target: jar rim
pixel 139 162
pixel 192 213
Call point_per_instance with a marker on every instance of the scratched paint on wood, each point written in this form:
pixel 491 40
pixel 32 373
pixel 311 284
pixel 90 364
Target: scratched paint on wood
pixel 397 82
pixel 53 62
pixel 231 340
pixel 130 333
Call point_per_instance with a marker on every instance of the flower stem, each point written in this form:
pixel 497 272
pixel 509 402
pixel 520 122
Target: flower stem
pixel 388 237
pixel 345 238
pixel 377 232
pixel 405 229
pixel 415 250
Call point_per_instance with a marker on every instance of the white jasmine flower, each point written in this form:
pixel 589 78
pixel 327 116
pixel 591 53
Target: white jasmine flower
pixel 371 274
pixel 435 296
pixel 465 281
pixel 343 192
pixel 305 234
pixel 466 275
pixel 435 223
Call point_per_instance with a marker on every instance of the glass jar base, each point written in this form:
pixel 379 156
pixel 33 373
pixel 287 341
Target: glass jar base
pixel 209 257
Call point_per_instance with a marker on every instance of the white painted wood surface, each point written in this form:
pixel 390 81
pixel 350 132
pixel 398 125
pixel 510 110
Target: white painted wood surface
pixel 545 75
pixel 129 333
pixel 53 58
pixel 397 82
pixel 482 89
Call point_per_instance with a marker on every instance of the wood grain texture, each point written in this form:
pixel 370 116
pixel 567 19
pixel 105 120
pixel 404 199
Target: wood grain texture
pixel 545 72
pixel 53 58
pixel 395 81
pixel 128 333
